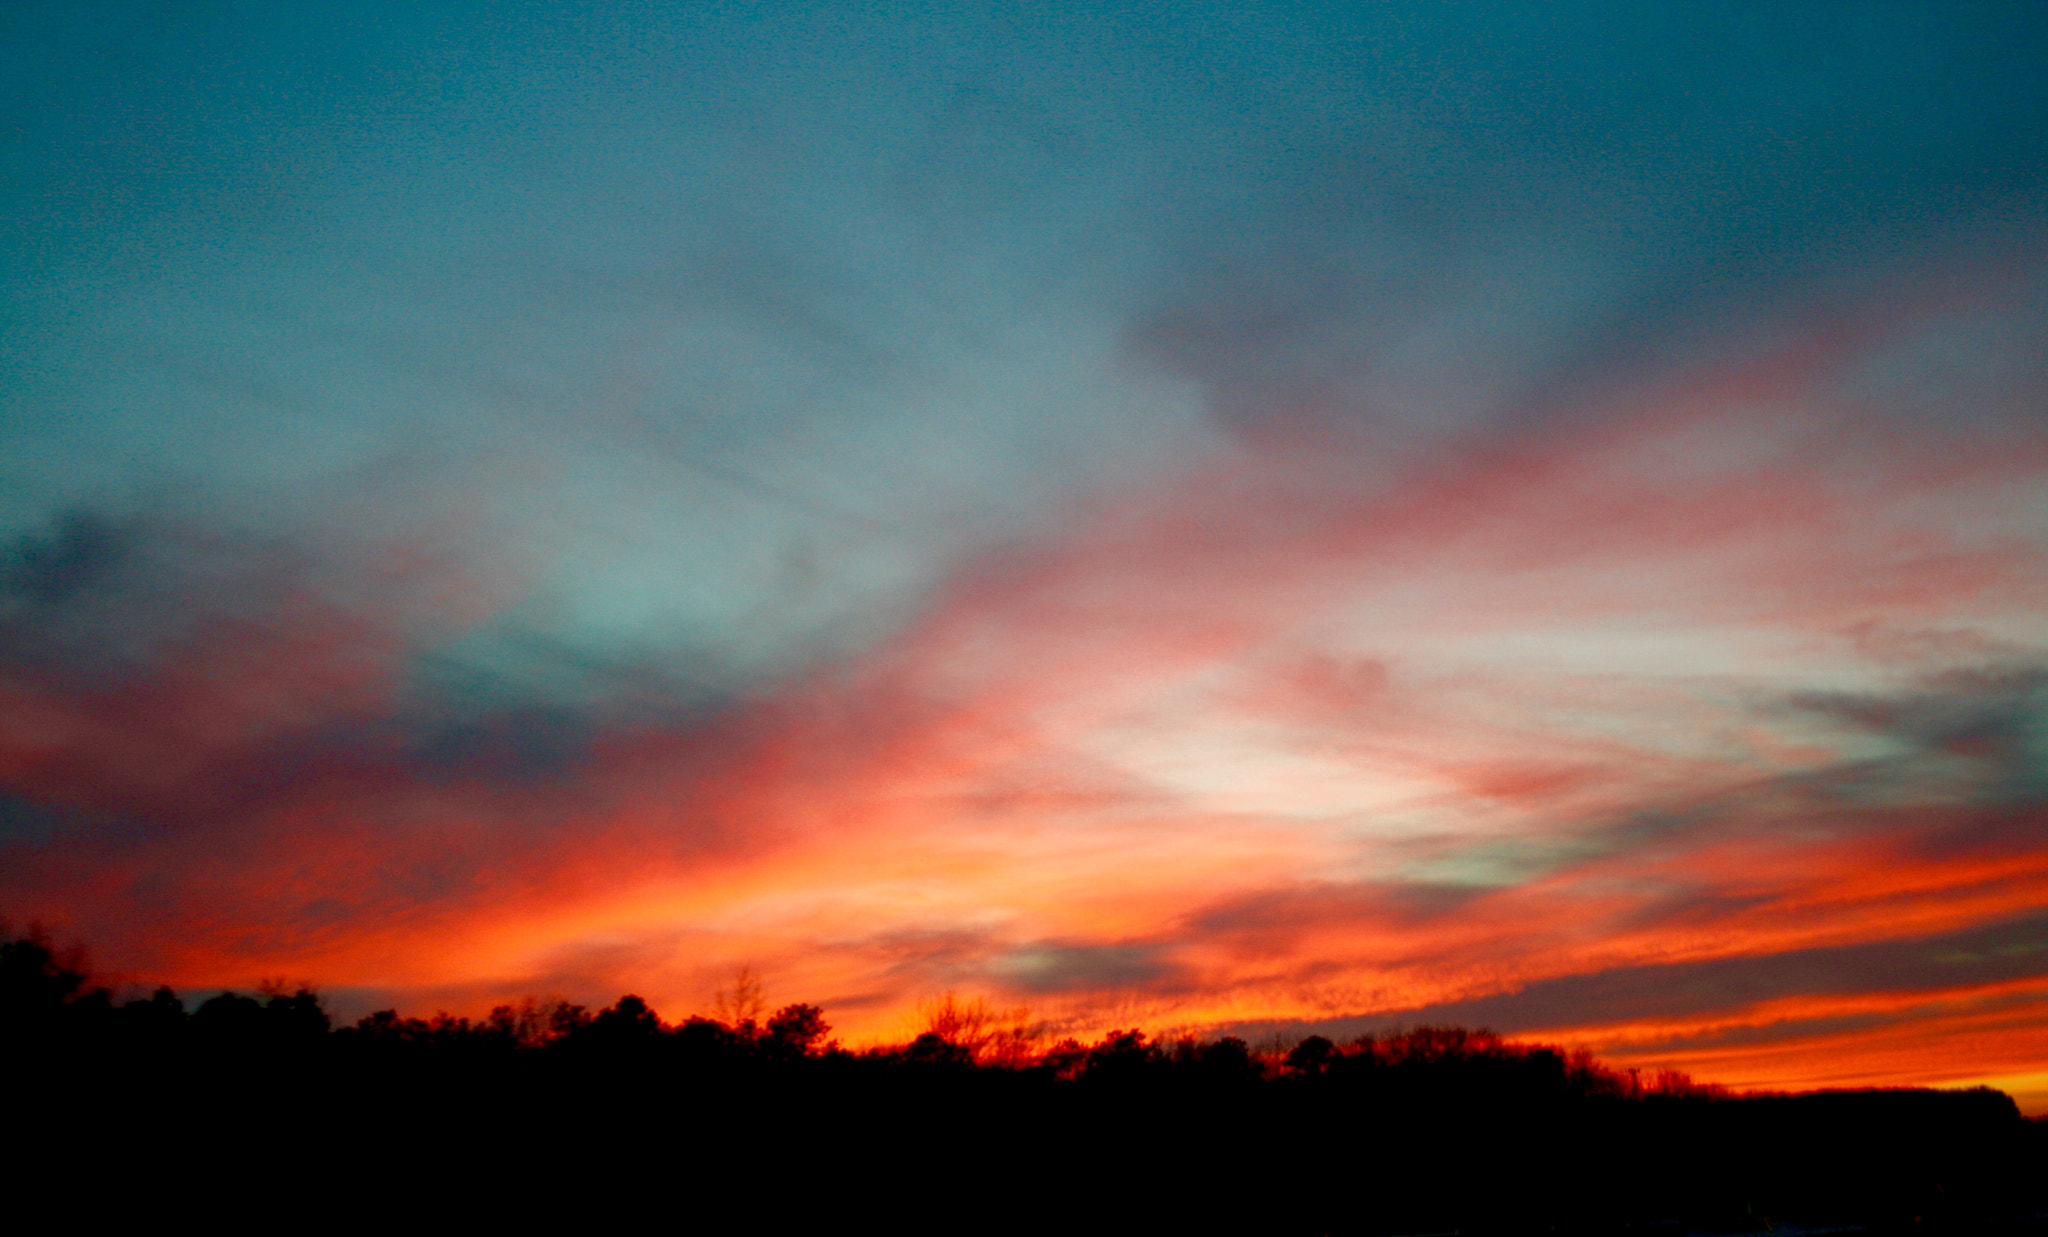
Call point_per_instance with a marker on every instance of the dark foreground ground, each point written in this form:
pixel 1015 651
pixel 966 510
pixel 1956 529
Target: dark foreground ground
pixel 257 1114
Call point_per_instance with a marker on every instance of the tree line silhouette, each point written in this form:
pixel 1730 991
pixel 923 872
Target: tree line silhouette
pixel 547 1108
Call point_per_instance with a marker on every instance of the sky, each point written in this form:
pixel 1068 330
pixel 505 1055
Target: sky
pixel 1257 518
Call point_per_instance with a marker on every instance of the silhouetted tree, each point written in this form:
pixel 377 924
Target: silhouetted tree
pixel 706 1041
pixel 932 1050
pixel 532 1023
pixel 989 1035
pixel 295 1017
pixel 565 1019
pixel 229 1020
pixel 1065 1059
pixel 796 1031
pixel 627 1021
pixel 1121 1057
pixel 1229 1060
pixel 1311 1057
pixel 739 1004
pixel 40 993
pixel 159 1018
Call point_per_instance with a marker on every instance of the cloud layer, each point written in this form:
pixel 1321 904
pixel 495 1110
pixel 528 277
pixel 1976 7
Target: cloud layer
pixel 1257 518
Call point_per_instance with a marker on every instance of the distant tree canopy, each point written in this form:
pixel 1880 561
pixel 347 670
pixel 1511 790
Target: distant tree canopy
pixel 48 996
pixel 1432 1128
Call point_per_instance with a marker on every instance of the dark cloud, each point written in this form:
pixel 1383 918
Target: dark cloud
pixel 1270 919
pixel 1697 908
pixel 255 665
pixel 85 548
pixel 519 745
pixel 2013 950
pixel 1966 773
pixel 102 598
pixel 25 820
pixel 505 670
pixel 1993 717
pixel 1048 967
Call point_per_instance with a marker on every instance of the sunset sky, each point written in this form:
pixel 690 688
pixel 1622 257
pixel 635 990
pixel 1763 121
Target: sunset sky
pixel 1212 517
